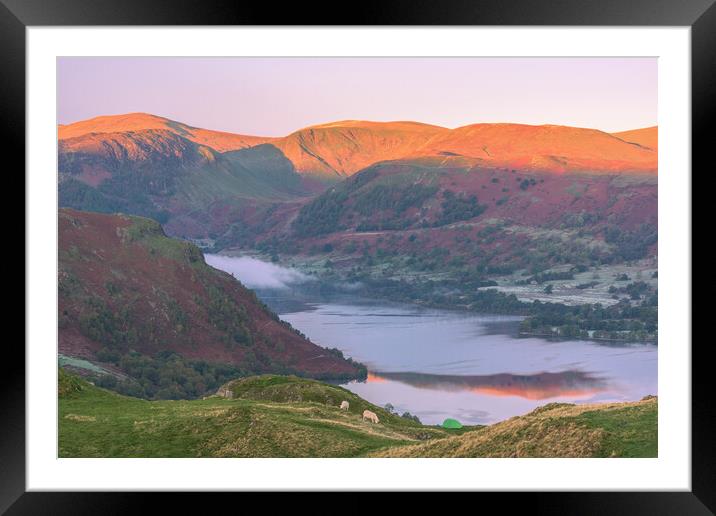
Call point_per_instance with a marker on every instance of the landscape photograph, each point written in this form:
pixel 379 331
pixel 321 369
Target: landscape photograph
pixel 357 257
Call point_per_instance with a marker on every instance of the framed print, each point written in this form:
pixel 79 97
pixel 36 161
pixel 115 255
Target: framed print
pixel 442 250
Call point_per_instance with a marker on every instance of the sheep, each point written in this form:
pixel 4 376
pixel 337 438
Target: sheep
pixel 370 416
pixel 344 405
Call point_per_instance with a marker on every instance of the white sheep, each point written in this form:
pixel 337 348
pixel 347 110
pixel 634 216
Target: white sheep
pixel 370 416
pixel 344 405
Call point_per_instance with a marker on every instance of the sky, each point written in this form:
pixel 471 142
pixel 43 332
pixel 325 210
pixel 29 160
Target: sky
pixel 276 96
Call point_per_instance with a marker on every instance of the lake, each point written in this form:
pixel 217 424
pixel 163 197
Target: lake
pixel 443 363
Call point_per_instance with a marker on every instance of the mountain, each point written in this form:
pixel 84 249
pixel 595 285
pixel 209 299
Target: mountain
pixel 132 122
pixel 283 416
pixel 193 188
pixel 133 301
pixel 543 148
pixel 227 190
pixel 344 148
pixel 483 216
pixel 427 192
pixel 335 150
pixel 647 137
pixel 341 149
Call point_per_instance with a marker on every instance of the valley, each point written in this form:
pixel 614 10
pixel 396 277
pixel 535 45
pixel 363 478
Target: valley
pixel 437 363
pixel 504 275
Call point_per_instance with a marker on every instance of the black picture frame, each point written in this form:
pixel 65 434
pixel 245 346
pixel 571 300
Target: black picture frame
pixel 17 15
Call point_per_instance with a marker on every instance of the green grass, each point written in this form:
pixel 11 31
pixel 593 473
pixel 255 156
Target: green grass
pixel 149 233
pixel 287 416
pixel 630 431
pixel 97 423
pixel 554 430
pixel 68 384
pixel 291 389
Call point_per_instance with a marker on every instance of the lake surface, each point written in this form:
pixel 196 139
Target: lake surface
pixel 441 363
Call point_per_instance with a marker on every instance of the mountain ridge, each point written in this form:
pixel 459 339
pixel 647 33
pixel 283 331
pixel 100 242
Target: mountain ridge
pixel 238 195
pixel 221 141
pixel 645 136
pixel 338 149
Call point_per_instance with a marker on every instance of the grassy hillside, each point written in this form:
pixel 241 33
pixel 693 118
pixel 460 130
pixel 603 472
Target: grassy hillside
pixel 555 430
pixel 271 416
pixel 283 416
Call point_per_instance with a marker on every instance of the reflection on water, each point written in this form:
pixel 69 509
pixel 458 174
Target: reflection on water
pixel 471 367
pixel 541 386
pixel 438 363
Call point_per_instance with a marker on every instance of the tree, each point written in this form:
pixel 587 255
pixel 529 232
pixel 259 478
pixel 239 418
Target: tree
pixel 408 415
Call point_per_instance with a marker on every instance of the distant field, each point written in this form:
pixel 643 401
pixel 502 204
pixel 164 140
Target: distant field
pixel 279 416
pixel 599 279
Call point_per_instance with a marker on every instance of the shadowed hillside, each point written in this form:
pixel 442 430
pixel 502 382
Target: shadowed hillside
pixel 151 312
pixel 163 175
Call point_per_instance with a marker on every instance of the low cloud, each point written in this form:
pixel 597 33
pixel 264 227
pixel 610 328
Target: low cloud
pixel 256 273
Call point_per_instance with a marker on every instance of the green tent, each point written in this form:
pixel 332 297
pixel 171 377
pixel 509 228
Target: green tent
pixel 451 423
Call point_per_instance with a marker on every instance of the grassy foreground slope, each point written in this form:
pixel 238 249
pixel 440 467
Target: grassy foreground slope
pixel 284 416
pixel 271 416
pixel 555 430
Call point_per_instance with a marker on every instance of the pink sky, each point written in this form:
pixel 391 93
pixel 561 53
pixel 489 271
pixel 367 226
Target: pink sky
pixel 275 96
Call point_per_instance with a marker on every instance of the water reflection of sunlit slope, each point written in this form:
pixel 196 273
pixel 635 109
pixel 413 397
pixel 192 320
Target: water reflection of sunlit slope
pixel 573 384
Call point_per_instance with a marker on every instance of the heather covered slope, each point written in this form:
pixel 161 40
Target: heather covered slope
pixel 131 299
pixel 483 217
pixel 428 192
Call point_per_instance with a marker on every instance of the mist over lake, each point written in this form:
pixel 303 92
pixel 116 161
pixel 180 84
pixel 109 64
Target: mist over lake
pixel 448 363
pixel 257 274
